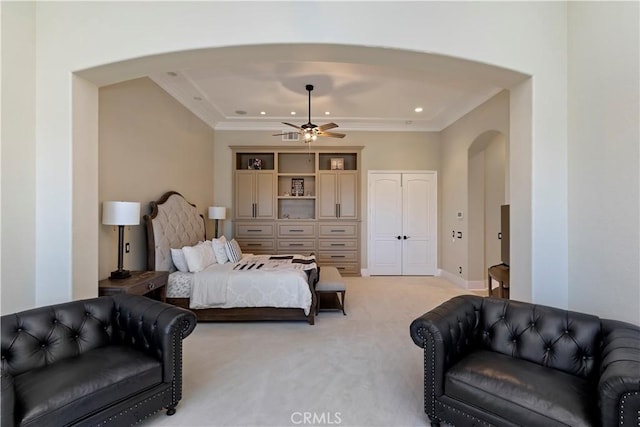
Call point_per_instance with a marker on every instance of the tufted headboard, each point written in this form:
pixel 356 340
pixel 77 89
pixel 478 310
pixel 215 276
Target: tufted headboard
pixel 172 223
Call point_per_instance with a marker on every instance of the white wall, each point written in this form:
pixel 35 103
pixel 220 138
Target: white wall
pixel 17 154
pixel 526 36
pixel 604 159
pixel 149 144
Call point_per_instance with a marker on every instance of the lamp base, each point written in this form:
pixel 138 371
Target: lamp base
pixel 120 274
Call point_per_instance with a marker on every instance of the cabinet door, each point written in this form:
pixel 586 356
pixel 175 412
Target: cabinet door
pixel 347 195
pixel 327 195
pixel 254 194
pixel 338 195
pixel 265 184
pixel 244 195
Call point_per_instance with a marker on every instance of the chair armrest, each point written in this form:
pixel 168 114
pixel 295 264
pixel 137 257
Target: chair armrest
pixel 155 328
pixel 619 383
pixel 8 400
pixel 447 333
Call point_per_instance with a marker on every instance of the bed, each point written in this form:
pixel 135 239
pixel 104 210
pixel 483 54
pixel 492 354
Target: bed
pixel 175 223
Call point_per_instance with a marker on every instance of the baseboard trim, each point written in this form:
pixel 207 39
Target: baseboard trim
pixel 456 280
pixel 364 272
pixel 471 285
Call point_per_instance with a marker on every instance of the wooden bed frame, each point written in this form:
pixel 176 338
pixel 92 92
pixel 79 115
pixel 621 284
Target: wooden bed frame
pixel 164 234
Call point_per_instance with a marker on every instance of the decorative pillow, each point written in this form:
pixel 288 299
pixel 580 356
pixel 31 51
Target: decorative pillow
pixel 179 260
pixel 218 249
pixel 199 256
pixel 233 250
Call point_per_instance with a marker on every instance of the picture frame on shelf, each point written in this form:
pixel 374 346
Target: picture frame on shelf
pixel 297 186
pixel 337 163
pixel 254 163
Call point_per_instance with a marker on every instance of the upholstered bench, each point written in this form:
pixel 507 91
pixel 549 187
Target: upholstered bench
pixel 330 282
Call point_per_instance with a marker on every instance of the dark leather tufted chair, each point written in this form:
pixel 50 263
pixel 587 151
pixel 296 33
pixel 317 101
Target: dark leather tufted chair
pixel 496 362
pixel 107 360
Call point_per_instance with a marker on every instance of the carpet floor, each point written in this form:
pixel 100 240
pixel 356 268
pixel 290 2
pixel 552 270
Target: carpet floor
pixel 361 369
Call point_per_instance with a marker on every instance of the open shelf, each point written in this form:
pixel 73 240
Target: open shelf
pixel 349 161
pixel 245 160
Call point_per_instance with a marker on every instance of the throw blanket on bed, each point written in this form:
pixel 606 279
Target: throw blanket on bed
pixel 254 281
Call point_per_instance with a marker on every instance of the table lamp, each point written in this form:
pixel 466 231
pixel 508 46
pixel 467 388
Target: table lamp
pixel 120 214
pixel 217 213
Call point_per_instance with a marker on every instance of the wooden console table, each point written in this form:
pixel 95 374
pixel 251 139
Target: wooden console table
pixel 499 273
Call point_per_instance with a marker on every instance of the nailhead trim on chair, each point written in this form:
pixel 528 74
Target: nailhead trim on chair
pixel 114 418
pixel 622 402
pixel 431 339
pixel 471 417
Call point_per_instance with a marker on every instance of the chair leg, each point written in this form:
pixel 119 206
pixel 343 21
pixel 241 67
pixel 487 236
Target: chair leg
pixel 171 410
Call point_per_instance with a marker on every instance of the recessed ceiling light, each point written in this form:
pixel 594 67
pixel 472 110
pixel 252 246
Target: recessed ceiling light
pixel 262 113
pixel 418 110
pixel 241 112
pixel 293 113
pixel 197 98
pixel 326 113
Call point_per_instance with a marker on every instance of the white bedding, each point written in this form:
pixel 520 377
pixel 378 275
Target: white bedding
pixel 277 283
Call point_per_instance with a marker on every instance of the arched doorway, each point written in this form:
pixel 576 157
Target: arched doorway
pixel 90 79
pixel 488 189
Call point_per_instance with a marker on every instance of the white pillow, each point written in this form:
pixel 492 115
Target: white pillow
pixel 218 249
pixel 233 250
pixel 179 260
pixel 199 256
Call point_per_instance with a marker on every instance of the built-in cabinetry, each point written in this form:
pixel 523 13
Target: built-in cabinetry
pixel 299 200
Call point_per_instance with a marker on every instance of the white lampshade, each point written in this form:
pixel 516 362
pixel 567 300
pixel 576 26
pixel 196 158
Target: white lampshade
pixel 217 212
pixel 120 213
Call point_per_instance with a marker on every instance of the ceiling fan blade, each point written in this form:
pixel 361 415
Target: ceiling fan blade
pixel 292 125
pixel 332 134
pixel 327 126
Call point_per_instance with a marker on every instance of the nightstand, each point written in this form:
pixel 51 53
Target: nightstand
pixel 149 283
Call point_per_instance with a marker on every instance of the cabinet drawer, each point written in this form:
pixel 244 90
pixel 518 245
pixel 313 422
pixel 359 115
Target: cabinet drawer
pixel 254 230
pixel 293 245
pixel 148 285
pixel 139 283
pixel 296 230
pixel 331 257
pixel 256 245
pixel 338 230
pixel 337 245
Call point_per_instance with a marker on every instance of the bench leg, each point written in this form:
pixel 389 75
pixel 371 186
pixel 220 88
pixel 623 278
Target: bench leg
pixel 317 303
pixel 342 302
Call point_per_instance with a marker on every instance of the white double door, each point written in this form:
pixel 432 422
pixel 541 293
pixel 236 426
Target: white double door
pixel 402 223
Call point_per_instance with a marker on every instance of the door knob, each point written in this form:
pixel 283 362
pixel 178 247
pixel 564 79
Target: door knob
pixel 405 237
pixel 399 237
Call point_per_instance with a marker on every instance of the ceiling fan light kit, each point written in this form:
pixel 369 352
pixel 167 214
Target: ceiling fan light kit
pixel 309 131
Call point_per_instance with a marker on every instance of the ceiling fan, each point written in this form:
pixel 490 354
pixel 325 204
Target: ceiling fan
pixel 311 132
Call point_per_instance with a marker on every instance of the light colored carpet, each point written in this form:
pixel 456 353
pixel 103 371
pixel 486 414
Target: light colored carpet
pixel 361 369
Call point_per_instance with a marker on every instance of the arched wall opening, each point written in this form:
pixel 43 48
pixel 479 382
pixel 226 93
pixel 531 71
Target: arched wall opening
pixel 488 177
pixel 85 84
